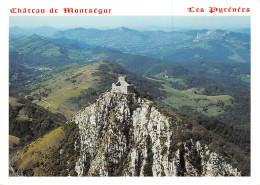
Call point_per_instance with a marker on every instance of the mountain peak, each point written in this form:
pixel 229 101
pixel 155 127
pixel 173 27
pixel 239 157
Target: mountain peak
pixel 123 29
pixel 125 135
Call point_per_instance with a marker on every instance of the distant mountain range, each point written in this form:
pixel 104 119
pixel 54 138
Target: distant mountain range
pixel 21 32
pixel 195 45
pixel 178 46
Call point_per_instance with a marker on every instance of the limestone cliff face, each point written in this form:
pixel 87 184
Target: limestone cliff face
pixel 126 135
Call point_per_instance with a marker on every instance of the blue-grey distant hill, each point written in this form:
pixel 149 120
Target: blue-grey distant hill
pixel 46 31
pixel 189 46
pixel 178 46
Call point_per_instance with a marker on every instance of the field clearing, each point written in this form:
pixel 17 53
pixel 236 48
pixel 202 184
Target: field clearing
pixel 220 97
pixel 13 101
pixel 207 105
pixel 13 140
pixel 245 78
pixel 157 80
pixel 22 115
pixel 166 78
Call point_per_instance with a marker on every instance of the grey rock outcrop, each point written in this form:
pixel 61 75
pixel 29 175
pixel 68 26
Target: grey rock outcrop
pixel 125 135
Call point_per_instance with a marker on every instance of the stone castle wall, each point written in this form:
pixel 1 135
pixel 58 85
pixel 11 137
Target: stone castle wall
pixel 123 89
pixel 122 86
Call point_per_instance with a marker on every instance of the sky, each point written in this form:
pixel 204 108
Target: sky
pixel 137 22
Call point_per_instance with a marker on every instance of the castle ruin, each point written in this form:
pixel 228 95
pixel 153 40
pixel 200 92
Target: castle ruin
pixel 122 86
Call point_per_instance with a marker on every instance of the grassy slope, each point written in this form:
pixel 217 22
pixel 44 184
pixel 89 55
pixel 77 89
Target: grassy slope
pixel 64 86
pixel 35 155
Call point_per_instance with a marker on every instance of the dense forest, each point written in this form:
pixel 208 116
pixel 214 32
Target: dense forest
pixel 227 74
pixel 237 114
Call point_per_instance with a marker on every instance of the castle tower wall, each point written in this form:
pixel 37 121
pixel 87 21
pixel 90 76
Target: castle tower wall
pixel 122 86
pixel 122 78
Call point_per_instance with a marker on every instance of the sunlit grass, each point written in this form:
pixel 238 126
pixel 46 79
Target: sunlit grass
pixel 66 85
pixel 207 105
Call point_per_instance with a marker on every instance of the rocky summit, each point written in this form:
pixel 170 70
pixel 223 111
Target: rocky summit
pixel 125 135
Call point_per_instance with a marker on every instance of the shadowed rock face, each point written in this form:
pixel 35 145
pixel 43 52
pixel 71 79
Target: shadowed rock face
pixel 124 135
